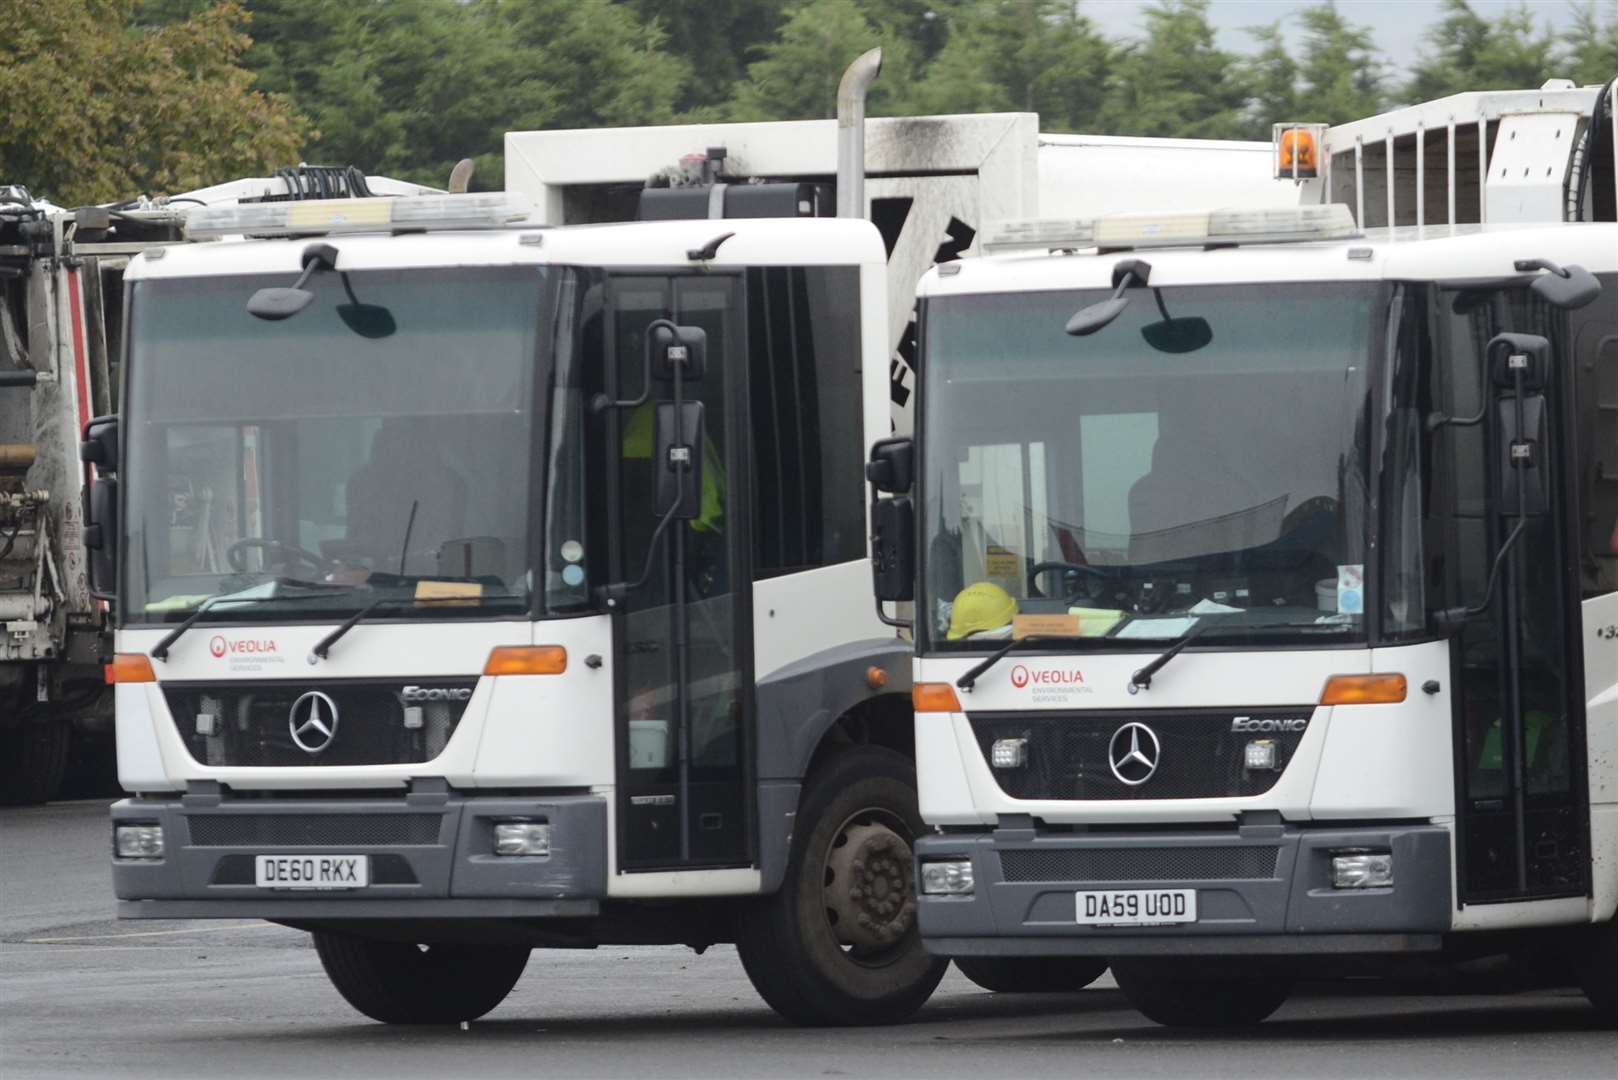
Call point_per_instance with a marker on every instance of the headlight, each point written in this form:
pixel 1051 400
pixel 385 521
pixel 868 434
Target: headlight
pixel 138 841
pixel 950 877
pixel 522 838
pixel 1362 870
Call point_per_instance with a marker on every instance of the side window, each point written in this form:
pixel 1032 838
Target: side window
pixel 807 413
pixel 1596 397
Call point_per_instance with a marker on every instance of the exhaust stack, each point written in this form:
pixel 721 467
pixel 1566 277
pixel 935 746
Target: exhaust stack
pixel 851 93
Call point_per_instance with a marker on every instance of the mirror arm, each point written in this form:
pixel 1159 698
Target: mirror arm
pixel 619 591
pixel 1438 420
pixel 897 623
pixel 1526 266
pixel 601 402
pixel 1452 617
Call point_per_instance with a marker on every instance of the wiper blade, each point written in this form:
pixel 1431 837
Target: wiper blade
pixel 1142 679
pixel 160 651
pixel 970 679
pixel 322 647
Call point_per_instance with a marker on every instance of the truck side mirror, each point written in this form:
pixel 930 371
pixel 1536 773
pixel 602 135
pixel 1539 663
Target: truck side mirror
pixel 1567 287
pixel 100 445
pixel 682 347
pixel 101 537
pixel 891 469
pixel 893 549
pixel 677 459
pixel 1518 365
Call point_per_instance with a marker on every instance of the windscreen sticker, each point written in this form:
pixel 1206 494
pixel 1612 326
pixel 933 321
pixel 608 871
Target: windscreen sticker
pixel 1351 589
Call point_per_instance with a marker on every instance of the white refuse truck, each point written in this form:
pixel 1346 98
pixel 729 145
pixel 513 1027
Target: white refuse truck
pixel 60 316
pixel 1265 571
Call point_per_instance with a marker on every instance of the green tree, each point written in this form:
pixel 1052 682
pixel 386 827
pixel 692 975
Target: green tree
pixel 98 110
pixel 714 37
pixel 1466 51
pixel 1272 77
pixel 1020 55
pixel 1592 45
pixel 796 76
pixel 1177 82
pixel 1342 71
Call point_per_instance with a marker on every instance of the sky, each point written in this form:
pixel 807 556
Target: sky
pixel 1398 25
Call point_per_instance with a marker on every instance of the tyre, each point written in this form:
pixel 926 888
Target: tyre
pixel 1180 993
pixel 33 759
pixel 1598 971
pixel 419 984
pixel 1031 974
pixel 838 944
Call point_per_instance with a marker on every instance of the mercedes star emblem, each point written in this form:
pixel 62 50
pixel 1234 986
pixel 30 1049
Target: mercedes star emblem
pixel 313 722
pixel 1133 754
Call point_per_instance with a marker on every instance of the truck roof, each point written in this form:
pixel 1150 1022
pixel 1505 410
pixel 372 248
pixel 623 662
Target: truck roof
pixel 756 242
pixel 1443 252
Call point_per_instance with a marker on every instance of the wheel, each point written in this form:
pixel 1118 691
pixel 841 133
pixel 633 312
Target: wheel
pixel 1598 971
pixel 1031 974
pixel 33 759
pixel 419 984
pixel 1182 993
pixel 838 944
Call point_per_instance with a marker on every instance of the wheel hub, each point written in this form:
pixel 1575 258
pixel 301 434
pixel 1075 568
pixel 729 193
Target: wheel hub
pixel 869 887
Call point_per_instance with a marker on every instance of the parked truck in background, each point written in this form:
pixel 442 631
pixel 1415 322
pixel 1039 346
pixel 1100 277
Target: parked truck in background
pixel 1265 570
pixel 60 319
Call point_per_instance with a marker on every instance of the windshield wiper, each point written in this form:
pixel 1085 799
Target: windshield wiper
pixel 1142 679
pixel 970 679
pixel 322 647
pixel 160 651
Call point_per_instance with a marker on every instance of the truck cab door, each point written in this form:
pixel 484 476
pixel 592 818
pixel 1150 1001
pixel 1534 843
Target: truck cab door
pixel 682 639
pixel 1522 818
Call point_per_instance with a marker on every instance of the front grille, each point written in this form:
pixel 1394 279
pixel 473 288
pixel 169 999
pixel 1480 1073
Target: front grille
pixel 385 870
pixel 1200 757
pixel 313 830
pixel 251 724
pixel 1141 864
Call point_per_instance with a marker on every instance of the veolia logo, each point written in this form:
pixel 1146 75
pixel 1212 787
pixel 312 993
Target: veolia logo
pixel 219 646
pixel 1021 676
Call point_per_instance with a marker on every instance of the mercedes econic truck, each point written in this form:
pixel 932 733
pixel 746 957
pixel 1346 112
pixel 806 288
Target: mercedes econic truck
pixel 1265 571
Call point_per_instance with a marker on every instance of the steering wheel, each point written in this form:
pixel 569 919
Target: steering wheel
pixel 290 554
pixel 1047 567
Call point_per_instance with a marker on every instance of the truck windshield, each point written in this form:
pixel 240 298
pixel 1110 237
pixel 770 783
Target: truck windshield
pixel 1129 485
pixel 386 451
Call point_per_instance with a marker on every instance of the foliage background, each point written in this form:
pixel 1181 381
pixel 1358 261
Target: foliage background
pixel 105 99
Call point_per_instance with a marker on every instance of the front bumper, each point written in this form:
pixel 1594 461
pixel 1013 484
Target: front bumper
pixel 431 856
pixel 1260 890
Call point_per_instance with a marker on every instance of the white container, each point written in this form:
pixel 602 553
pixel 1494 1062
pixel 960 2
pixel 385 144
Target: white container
pixel 1326 594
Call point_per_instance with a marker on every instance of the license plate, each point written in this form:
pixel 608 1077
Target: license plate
pixel 311 871
pixel 1137 907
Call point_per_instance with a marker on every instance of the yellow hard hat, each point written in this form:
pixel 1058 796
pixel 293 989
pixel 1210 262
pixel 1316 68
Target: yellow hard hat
pixel 980 606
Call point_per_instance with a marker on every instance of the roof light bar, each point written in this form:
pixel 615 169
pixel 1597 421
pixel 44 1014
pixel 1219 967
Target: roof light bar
pixel 323 217
pixel 1200 228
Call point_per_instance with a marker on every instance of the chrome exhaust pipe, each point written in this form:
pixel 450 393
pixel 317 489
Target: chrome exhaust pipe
pixel 851 91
